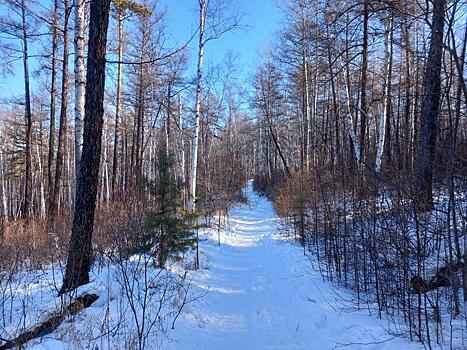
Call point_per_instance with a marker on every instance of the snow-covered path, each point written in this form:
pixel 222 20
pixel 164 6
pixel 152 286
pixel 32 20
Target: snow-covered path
pixel 262 293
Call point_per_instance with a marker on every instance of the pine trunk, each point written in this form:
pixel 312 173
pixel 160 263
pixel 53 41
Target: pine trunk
pixel 80 251
pixel 59 166
pixel 27 202
pixel 430 111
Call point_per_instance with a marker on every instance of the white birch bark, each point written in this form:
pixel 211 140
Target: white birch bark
pixel 182 149
pixel 69 175
pixel 199 77
pixel 105 167
pixel 149 165
pixel 80 78
pixel 3 188
pixel 387 98
pixel 348 119
pixel 41 183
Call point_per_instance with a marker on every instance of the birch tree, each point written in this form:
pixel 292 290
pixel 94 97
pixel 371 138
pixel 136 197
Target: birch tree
pixel 213 23
pixel 384 120
pixel 80 79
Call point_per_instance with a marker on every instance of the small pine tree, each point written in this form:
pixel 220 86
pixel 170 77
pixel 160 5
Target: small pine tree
pixel 169 230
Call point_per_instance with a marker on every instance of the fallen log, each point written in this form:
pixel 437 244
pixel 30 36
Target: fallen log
pixel 442 278
pixel 52 323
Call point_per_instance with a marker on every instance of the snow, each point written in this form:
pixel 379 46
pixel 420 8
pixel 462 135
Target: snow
pixel 263 293
pixel 256 290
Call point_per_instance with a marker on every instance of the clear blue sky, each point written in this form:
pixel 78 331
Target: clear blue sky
pixel 261 21
pixel 262 18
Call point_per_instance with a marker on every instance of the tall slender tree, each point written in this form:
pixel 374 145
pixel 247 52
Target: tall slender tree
pixel 203 13
pixel 62 131
pixel 27 202
pixel 53 94
pixel 384 120
pixel 120 13
pixel 213 23
pixel 80 251
pixel 80 79
pixel 430 110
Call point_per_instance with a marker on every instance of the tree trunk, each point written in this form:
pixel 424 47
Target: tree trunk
pixel 41 182
pixel 80 79
pixel 199 79
pixel 118 107
pixel 430 111
pixel 306 94
pixel 384 121
pixel 4 212
pixel 182 150
pixel 363 107
pixel 53 93
pixel 80 251
pixel 54 199
pixel 348 118
pixel 27 202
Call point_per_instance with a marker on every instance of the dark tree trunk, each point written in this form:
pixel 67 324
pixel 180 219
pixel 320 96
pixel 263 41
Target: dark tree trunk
pixel 119 97
pixel 54 198
pixel 363 108
pixel 430 110
pixel 53 92
pixel 79 255
pixel 27 202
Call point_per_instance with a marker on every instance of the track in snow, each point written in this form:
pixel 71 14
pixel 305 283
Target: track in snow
pixel 262 293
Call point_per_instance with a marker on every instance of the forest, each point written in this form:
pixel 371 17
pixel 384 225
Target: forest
pixel 158 191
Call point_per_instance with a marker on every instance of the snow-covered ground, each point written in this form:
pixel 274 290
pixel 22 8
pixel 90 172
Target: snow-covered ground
pixel 262 293
pixel 256 290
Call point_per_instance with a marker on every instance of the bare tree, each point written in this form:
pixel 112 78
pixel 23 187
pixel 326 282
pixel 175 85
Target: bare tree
pixel 213 23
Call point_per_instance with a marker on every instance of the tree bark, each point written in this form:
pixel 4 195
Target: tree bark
pixel 27 201
pixel 306 94
pixel 54 199
pixel 182 150
pixel 430 111
pixel 80 251
pixel 53 93
pixel 3 187
pixel 80 79
pixel 119 98
pixel 348 118
pixel 199 80
pixel 363 107
pixel 384 121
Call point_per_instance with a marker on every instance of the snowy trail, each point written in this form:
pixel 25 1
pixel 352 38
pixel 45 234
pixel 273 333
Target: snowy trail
pixel 261 293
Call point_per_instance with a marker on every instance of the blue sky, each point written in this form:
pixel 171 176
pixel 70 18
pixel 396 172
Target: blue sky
pixel 261 21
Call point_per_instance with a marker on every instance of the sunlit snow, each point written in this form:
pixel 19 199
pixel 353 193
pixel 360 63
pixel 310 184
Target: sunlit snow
pixel 262 293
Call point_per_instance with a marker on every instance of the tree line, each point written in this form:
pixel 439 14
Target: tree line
pixel 361 141
pixel 143 132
